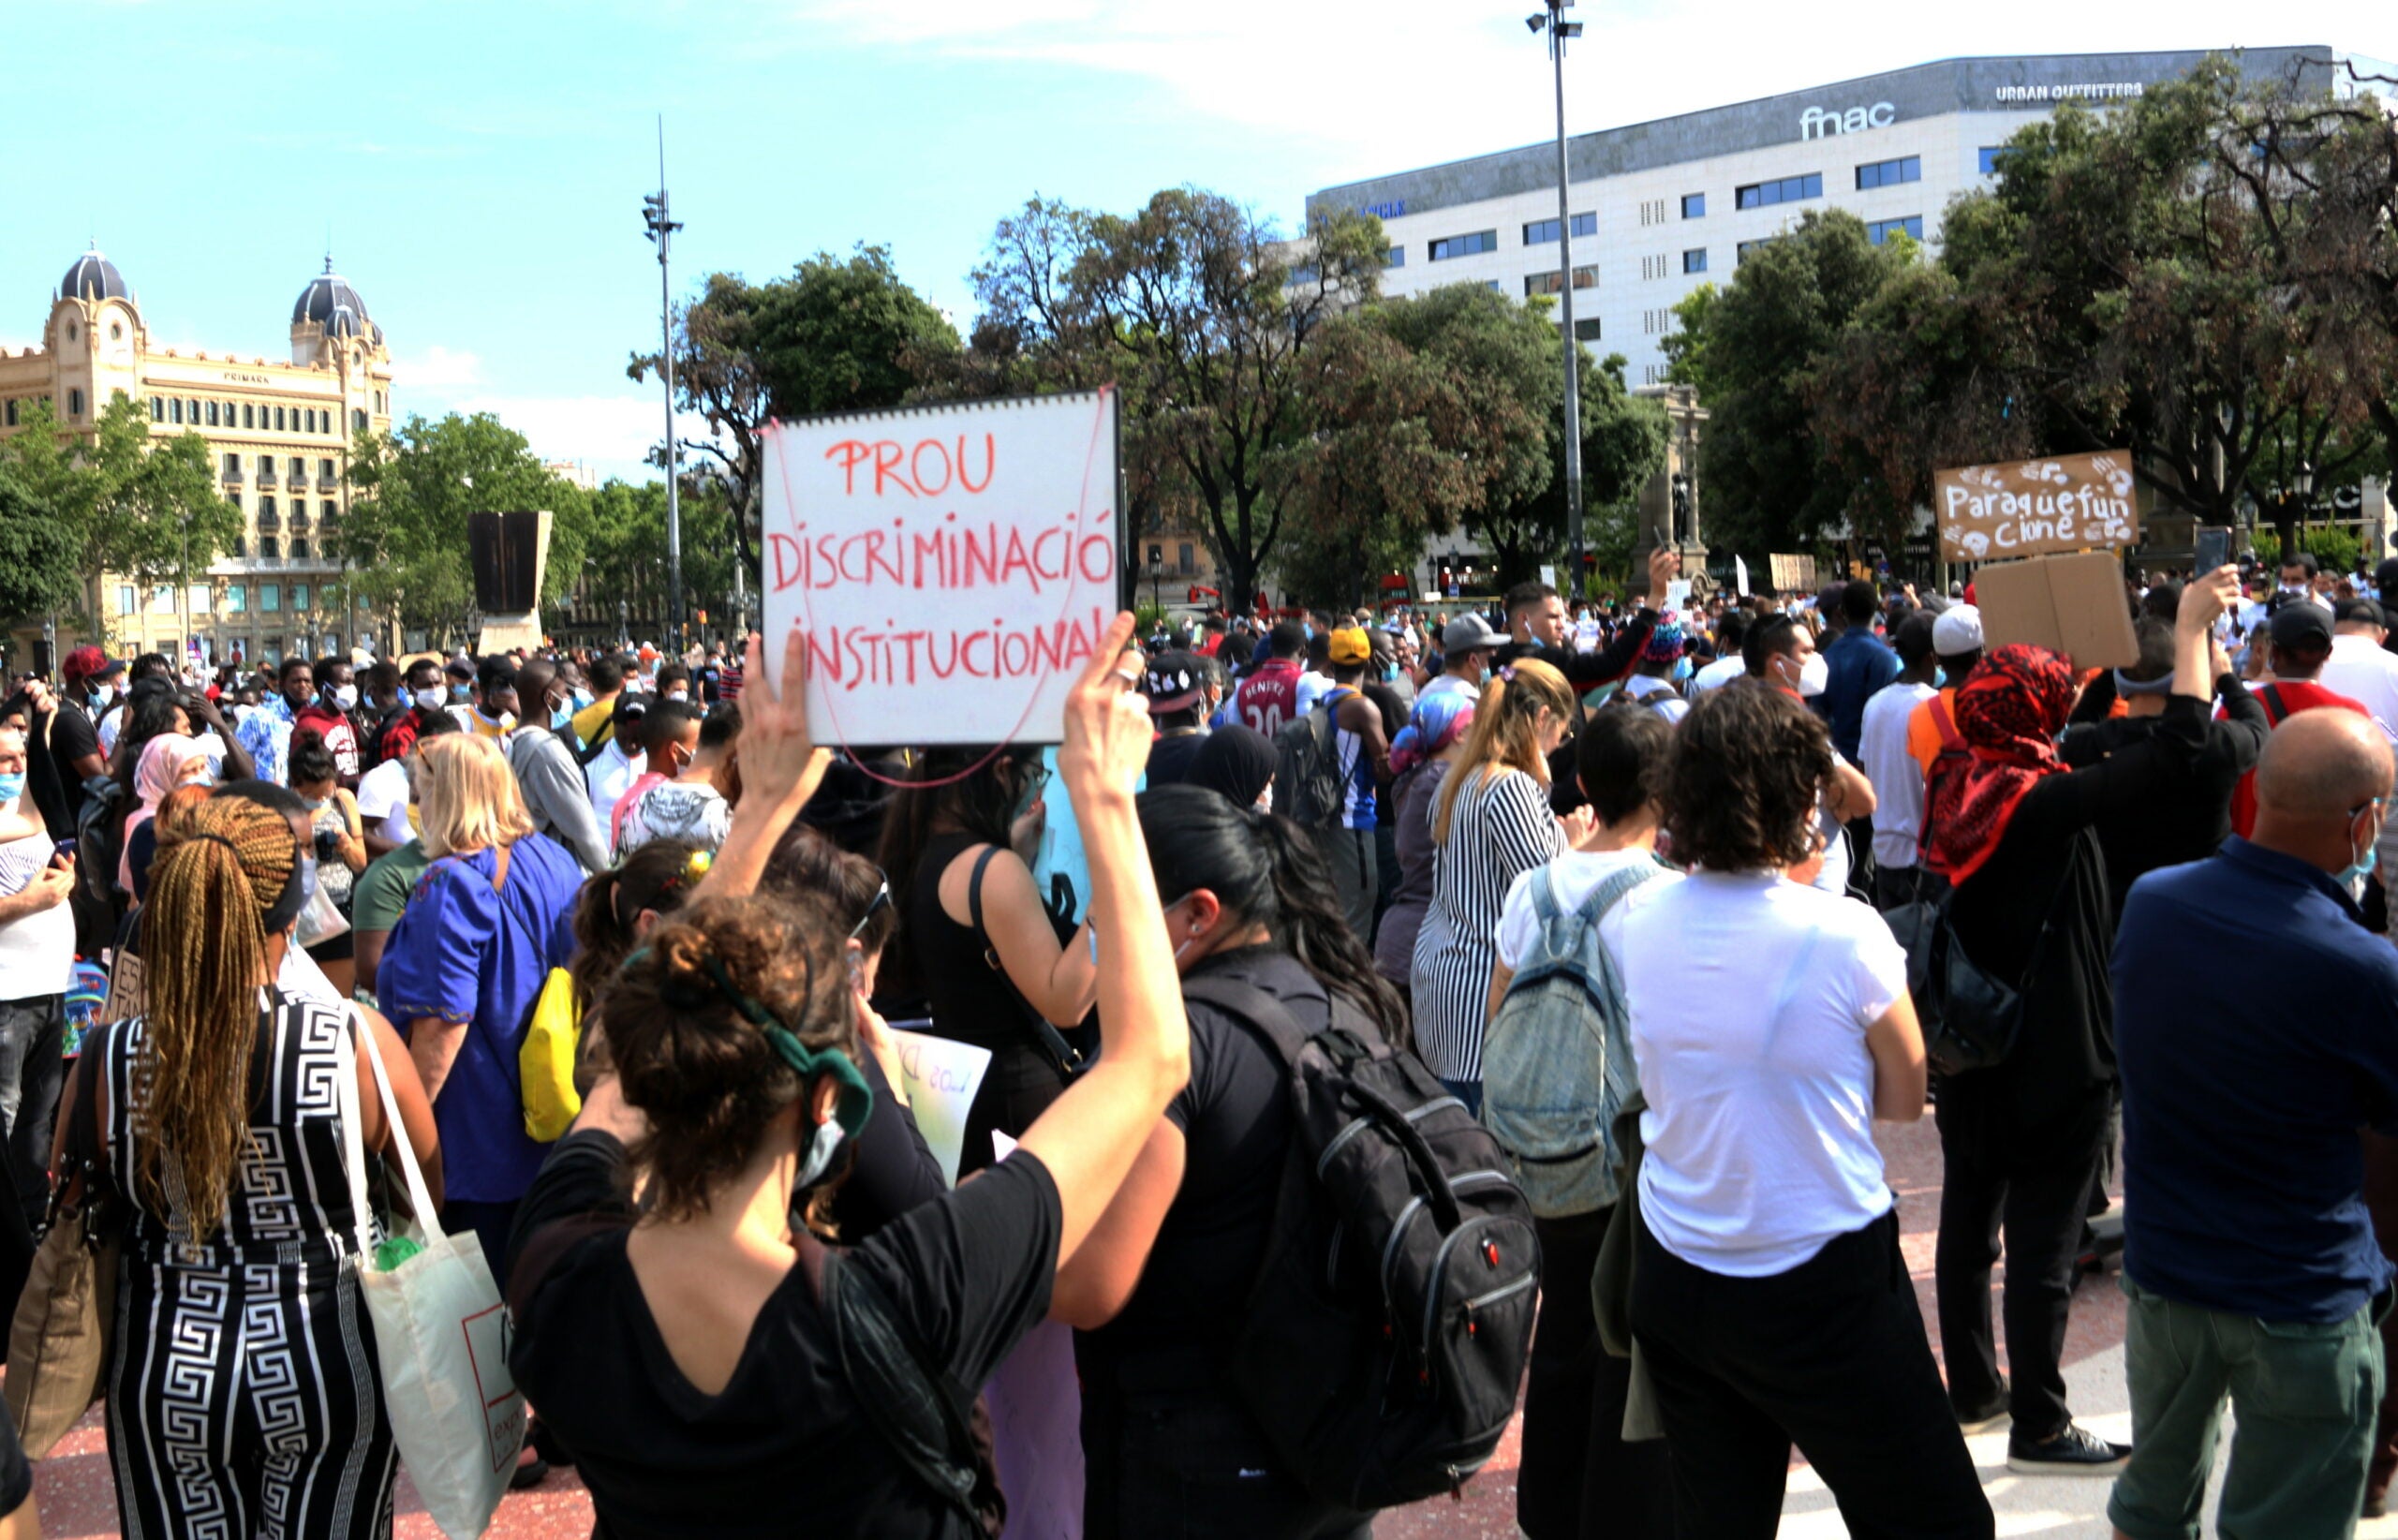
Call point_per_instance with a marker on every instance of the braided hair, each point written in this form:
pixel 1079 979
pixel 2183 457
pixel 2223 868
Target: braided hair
pixel 220 868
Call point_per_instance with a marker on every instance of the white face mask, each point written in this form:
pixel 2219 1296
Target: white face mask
pixel 345 697
pixel 1815 676
pixel 431 699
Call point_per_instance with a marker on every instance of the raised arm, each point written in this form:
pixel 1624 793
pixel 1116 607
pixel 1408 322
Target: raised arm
pixel 782 766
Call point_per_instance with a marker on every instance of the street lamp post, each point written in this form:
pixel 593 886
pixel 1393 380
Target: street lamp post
pixel 1157 571
pixel 1559 32
pixel 661 230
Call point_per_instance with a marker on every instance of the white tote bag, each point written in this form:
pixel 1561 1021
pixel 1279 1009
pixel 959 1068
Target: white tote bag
pixel 442 1335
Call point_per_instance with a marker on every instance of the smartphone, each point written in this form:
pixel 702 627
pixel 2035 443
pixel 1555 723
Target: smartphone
pixel 65 847
pixel 2215 547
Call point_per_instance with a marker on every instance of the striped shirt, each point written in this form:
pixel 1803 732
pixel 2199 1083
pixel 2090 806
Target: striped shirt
pixel 1501 828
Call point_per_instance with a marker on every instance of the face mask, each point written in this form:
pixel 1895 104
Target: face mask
pixel 12 786
pixel 2359 870
pixel 1940 678
pixel 103 694
pixel 560 720
pixel 429 699
pixel 1682 670
pixel 459 692
pixel 345 697
pixel 581 697
pixel 678 695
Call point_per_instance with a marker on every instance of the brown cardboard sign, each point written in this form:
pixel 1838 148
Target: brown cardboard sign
pixel 2036 507
pixel 1793 574
pixel 2071 604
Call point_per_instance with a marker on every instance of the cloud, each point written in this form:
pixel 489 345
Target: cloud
pixel 613 434
pixel 437 368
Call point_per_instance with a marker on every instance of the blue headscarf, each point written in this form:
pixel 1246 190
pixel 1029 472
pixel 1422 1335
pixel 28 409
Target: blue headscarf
pixel 1438 720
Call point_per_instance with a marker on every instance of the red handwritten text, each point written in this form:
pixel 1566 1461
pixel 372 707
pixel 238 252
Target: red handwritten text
pixel 925 469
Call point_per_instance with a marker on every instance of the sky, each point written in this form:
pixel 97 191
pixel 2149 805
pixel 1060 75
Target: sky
pixel 478 168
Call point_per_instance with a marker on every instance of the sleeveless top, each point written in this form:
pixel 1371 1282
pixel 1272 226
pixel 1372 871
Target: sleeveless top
pixel 971 1002
pixel 288 1204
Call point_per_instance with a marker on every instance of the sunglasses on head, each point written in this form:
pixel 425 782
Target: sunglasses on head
pixel 881 901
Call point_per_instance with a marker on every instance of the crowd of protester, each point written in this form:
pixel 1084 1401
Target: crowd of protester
pixel 1641 889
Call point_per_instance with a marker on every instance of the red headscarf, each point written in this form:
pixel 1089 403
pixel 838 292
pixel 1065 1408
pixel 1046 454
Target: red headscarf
pixel 2009 713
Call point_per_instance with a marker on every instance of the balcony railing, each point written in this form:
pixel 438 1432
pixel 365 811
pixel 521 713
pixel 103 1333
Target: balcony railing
pixel 270 523
pixel 266 475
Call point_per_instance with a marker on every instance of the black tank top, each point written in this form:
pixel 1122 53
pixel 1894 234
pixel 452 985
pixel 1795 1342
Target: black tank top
pixel 971 1002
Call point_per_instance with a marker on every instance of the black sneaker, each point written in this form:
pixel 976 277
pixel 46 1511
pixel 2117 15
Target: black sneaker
pixel 1982 1419
pixel 2076 1451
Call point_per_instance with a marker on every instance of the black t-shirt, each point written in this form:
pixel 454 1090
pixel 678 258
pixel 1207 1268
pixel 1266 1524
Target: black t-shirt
pixel 1236 1120
pixel 71 737
pixel 1170 758
pixel 785 1447
pixel 893 1170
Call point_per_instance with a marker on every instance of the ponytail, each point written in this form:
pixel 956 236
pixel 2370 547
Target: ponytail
pixel 1315 930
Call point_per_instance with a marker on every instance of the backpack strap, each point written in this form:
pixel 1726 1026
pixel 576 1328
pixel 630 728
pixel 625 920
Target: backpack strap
pixel 1239 998
pixel 2276 709
pixel 1062 1055
pixel 1944 722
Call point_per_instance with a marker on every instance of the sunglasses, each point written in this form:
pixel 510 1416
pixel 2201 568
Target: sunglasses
pixel 882 902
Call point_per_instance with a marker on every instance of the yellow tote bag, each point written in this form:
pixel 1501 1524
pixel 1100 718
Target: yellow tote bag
pixel 546 1060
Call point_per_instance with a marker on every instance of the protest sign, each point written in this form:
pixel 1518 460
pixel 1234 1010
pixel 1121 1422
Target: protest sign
pixel 1740 573
pixel 2072 604
pixel 2036 507
pixel 951 566
pixel 1793 574
pixel 940 1078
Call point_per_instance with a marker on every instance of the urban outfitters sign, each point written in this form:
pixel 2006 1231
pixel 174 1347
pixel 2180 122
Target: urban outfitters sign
pixel 952 568
pixel 2036 507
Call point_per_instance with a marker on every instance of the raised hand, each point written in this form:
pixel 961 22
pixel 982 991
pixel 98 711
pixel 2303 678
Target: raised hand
pixel 779 761
pixel 1107 725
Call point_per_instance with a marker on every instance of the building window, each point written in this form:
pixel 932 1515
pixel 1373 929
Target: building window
pixel 1653 211
pixel 1550 282
pixel 1693 205
pixel 324 470
pixel 270 594
pixel 241 548
pixel 358 414
pixel 1584 224
pixel 1586 329
pixel 299 471
pixel 299 552
pixel 1463 246
pixel 192 411
pixel 299 590
pixel 208 410
pixel 1740 253
pixel 175 412
pixel 1493 285
pixel 278 420
pixel 1694 259
pixel 157 412
pixel 1882 230
pixel 1540 233
pixel 249 415
pixel 199 601
pixel 328 513
pixel 266 507
pixel 162 600
pixel 237 597
pixel 1889 173
pixel 1789 190
pixel 233 466
pixel 1186 557
pixel 1989 158
pixel 74 403
pixel 128 601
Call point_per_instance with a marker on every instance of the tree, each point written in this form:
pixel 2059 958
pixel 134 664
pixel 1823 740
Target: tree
pixel 1202 315
pixel 840 334
pixel 40 572
pixel 625 544
pixel 411 493
pixel 125 500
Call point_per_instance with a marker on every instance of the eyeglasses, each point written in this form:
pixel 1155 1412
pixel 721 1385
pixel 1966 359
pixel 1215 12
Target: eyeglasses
pixel 882 902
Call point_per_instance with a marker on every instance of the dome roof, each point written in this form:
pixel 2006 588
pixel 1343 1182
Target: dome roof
pixel 343 322
pixel 94 277
pixel 326 293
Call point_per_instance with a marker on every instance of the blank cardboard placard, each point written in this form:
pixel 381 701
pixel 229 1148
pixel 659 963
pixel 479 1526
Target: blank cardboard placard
pixel 2071 604
pixel 951 566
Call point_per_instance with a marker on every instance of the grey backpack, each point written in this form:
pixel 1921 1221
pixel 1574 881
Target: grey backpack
pixel 1557 1057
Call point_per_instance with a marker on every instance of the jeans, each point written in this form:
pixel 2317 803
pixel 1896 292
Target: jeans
pixel 1579 1478
pixel 2041 1201
pixel 2304 1394
pixel 32 1033
pixel 1829 1356
pixel 1467 1091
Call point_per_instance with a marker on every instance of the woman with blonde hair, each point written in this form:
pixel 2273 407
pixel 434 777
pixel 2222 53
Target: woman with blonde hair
pixel 250 1387
pixel 1492 824
pixel 462 967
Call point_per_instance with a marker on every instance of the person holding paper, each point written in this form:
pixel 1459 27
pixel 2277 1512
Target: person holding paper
pixel 2015 833
pixel 735 1034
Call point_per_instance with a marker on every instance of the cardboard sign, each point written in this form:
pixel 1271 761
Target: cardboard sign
pixel 1793 574
pixel 2036 507
pixel 2070 604
pixel 951 566
pixel 940 1077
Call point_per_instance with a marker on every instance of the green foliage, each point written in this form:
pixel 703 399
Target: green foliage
pixel 2337 549
pixel 124 501
pixel 411 493
pixel 624 547
pixel 40 572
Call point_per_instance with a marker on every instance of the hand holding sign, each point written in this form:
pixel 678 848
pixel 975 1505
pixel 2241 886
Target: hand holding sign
pixel 781 761
pixel 1107 725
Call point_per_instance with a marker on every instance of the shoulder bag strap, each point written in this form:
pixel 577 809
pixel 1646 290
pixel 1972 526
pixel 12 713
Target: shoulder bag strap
pixel 1251 1004
pixel 1062 1055
pixel 2276 711
pixel 1943 721
pixel 419 1196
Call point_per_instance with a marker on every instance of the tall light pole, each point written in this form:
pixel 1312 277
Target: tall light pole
pixel 661 230
pixel 1560 31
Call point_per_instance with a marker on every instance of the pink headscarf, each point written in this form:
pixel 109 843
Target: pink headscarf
pixel 158 772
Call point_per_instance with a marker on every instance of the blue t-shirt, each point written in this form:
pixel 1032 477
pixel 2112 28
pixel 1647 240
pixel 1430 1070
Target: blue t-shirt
pixel 466 952
pixel 1855 667
pixel 2257 1029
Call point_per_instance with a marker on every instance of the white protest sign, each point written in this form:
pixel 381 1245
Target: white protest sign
pixel 940 1078
pixel 1741 570
pixel 951 566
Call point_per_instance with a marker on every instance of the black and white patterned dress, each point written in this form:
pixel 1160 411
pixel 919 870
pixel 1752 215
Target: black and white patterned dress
pixel 1500 828
pixel 244 1398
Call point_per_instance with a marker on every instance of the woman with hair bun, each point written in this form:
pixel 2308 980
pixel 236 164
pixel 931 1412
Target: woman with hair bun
pixel 683 1349
pixel 246 1384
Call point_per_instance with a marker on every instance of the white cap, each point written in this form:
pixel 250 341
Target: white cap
pixel 1957 632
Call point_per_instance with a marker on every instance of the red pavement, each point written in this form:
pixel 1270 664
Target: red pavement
pixel 77 1501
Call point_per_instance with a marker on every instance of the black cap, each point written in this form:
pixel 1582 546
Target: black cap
pixel 2385 577
pixel 2302 625
pixel 2360 610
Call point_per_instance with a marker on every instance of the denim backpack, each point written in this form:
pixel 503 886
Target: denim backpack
pixel 1557 1057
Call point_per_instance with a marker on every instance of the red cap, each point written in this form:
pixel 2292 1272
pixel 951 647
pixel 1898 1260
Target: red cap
pixel 82 662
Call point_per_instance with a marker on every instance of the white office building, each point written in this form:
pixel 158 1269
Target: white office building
pixel 1658 208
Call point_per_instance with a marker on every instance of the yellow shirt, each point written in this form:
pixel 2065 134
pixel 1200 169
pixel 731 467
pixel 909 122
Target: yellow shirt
pixel 593 722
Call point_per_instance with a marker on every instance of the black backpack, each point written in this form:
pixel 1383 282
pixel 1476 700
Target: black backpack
pixel 100 838
pixel 1392 1315
pixel 1309 788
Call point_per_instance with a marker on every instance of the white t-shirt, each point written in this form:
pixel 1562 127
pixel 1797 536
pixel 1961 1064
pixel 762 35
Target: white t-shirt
pixel 1897 774
pixel 1578 875
pixel 37 950
pixel 1657 695
pixel 1717 674
pixel 609 775
pixel 1749 996
pixel 383 800
pixel 1311 688
pixel 2360 670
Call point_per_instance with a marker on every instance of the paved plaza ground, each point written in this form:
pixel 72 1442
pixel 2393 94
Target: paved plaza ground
pixel 76 1500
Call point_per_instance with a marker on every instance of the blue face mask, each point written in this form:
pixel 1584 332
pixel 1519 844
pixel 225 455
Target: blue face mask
pixel 581 697
pixel 561 719
pixel 459 692
pixel 2359 870
pixel 1682 669
pixel 1940 678
pixel 12 786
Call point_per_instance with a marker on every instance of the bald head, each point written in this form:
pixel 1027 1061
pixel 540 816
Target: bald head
pixel 2321 765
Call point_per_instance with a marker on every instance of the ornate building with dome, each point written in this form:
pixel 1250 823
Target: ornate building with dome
pixel 278 429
